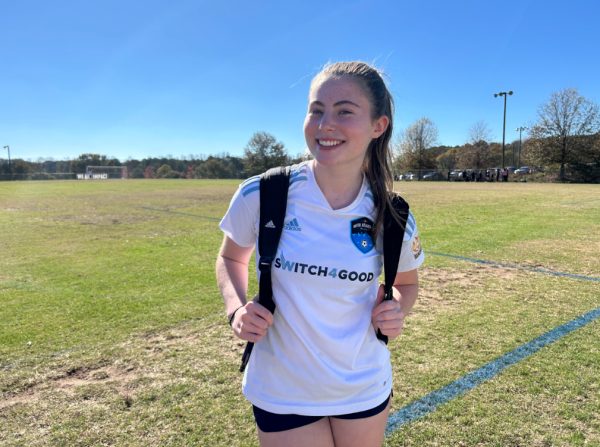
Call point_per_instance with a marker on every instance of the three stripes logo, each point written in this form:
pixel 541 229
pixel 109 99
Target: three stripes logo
pixel 293 225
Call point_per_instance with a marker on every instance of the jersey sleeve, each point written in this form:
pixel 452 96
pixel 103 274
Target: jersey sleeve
pixel 412 255
pixel 240 222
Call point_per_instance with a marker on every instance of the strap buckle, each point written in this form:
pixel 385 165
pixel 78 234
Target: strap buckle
pixel 388 295
pixel 264 263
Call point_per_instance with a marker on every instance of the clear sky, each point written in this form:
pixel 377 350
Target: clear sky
pixel 177 78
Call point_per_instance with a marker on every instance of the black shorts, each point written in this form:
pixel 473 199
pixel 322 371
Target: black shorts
pixel 273 422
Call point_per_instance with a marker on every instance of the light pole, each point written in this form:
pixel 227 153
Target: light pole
pixel 510 92
pixel 8 149
pixel 520 129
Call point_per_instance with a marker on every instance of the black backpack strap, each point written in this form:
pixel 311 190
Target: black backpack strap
pixel 274 185
pixel 273 202
pixel 393 235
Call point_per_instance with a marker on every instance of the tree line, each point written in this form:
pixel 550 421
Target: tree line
pixel 564 141
pixel 262 152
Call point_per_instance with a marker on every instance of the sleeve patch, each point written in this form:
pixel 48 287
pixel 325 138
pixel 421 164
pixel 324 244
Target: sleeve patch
pixel 416 247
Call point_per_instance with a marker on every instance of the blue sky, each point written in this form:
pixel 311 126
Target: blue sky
pixel 156 78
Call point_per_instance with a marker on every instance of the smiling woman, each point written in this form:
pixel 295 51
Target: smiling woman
pixel 318 373
pixel 339 126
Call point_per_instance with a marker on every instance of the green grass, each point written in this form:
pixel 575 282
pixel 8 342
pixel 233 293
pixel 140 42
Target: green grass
pixel 113 330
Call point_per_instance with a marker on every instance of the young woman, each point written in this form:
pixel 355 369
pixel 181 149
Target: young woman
pixel 318 375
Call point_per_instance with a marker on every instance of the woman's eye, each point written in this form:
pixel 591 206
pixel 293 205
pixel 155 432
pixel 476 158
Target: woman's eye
pixel 345 112
pixel 316 112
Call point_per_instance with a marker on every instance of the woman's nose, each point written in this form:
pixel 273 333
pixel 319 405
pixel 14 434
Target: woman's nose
pixel 326 122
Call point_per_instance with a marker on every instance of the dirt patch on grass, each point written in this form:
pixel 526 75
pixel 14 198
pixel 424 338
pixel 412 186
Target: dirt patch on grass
pixel 144 361
pixel 103 219
pixel 69 382
pixel 442 287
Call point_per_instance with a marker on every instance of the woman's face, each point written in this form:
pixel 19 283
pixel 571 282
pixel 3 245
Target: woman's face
pixel 339 126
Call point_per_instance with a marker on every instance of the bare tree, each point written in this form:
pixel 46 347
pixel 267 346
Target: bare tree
pixel 479 132
pixel 565 116
pixel 416 139
pixel 476 153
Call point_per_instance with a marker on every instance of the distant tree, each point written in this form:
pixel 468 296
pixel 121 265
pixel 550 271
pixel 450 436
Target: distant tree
pixel 566 116
pixel 149 171
pixel 413 146
pixel 20 168
pixel 236 166
pixel 224 166
pixel 165 171
pixel 4 169
pixel 475 156
pixel 300 157
pixel 476 153
pixel 189 171
pixel 587 169
pixel 80 164
pixel 136 172
pixel 446 161
pixel 262 152
pixel 47 166
pixel 213 167
pixel 479 131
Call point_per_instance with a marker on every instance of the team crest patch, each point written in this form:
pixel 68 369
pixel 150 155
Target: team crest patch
pixel 416 247
pixel 361 233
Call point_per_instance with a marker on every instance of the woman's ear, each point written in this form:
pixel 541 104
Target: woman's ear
pixel 380 126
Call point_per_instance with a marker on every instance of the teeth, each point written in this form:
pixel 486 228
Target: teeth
pixel 329 142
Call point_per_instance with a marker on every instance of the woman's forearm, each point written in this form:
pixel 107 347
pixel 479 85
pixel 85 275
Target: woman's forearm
pixel 408 296
pixel 232 279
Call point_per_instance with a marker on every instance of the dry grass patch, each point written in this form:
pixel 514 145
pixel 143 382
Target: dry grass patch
pixel 153 376
pixel 447 288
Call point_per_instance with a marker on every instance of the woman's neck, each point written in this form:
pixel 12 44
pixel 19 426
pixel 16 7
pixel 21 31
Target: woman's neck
pixel 339 186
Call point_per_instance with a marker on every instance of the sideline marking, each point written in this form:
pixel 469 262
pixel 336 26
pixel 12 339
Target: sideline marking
pixel 517 266
pixel 431 401
pixel 180 213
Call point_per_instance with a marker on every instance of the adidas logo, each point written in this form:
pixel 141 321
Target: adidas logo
pixel 293 225
pixel 270 224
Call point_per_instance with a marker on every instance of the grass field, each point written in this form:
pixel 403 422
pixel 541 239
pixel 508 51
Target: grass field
pixel 113 333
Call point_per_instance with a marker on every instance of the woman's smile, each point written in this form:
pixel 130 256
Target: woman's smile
pixel 329 143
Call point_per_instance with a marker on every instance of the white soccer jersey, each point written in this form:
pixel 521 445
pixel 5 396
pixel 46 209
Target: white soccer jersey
pixel 321 356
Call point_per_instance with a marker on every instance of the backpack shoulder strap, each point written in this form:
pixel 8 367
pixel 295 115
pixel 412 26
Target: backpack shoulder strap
pixel 393 235
pixel 274 185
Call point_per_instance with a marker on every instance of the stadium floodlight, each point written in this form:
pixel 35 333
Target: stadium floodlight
pixel 520 129
pixel 510 92
pixel 7 147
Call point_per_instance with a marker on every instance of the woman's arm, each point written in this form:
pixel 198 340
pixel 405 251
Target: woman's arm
pixel 388 316
pixel 251 320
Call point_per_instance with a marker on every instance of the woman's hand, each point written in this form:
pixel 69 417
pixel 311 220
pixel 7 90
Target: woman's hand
pixel 251 322
pixel 387 316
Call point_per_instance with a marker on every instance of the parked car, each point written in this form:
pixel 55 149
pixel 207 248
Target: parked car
pixel 456 175
pixel 523 170
pixel 434 176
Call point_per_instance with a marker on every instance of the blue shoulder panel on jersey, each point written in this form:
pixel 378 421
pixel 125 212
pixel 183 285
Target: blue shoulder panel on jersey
pixel 251 185
pixel 249 180
pixel 410 225
pixel 298 174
